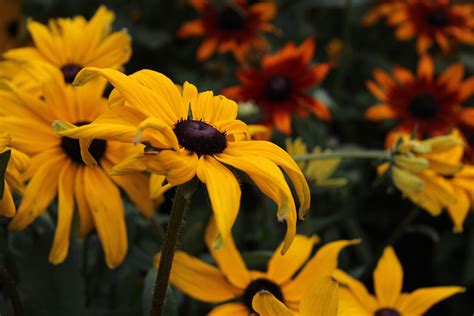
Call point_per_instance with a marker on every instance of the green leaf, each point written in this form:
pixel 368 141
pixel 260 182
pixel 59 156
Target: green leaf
pixel 4 158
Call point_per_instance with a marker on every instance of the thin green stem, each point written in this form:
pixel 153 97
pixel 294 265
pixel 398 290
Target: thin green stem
pixel 178 211
pixel 357 154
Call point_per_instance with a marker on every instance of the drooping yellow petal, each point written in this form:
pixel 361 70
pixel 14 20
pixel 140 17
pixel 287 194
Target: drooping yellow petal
pixel 388 278
pixel 459 210
pixel 223 190
pixel 179 166
pixel 406 182
pixel 321 299
pixel 227 257
pixel 323 264
pixel 39 192
pixel 60 246
pixel 86 222
pixel 421 300
pixel 190 274
pixel 265 304
pixel 108 213
pixel 282 267
pixel 161 136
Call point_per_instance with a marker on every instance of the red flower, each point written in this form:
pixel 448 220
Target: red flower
pixel 233 27
pixel 279 85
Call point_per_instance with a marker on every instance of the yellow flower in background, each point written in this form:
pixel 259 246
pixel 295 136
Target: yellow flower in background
pixel 321 299
pixel 191 134
pixel 57 167
pixel 71 44
pixel 420 175
pixel 232 280
pixel 389 300
pixel 17 164
pixel 318 171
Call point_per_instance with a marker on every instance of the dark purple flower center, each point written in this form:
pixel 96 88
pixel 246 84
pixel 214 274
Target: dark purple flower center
pixel 70 71
pixel 13 28
pixel 424 106
pixel 437 18
pixel 72 149
pixel 260 285
pixel 278 88
pixel 231 19
pixel 200 137
pixel 386 312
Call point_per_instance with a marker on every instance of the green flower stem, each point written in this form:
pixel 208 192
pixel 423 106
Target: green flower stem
pixel 357 154
pixel 10 288
pixel 178 211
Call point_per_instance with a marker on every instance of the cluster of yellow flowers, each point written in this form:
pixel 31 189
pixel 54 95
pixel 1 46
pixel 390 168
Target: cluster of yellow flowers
pixel 69 142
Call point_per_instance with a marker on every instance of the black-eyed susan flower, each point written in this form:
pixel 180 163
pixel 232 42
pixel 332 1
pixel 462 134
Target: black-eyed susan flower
pixel 430 21
pixel 191 134
pixel 71 44
pixel 17 164
pixel 231 280
pixel 318 171
pixel 419 172
pixel 279 86
pixel 57 167
pixel 389 300
pixel 321 299
pixel 431 104
pixel 235 26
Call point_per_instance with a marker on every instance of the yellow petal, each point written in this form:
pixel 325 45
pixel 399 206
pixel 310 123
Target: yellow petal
pixel 179 166
pixel 421 300
pixel 227 257
pixel 108 212
pixel 323 264
pixel 282 267
pixel 223 190
pixel 65 213
pixel 459 210
pixel 234 309
pixel 321 299
pixel 406 182
pixel 86 222
pixel 411 163
pixel 7 205
pixel 162 136
pixel 189 275
pixel 388 278
pixel 356 290
pixel 265 304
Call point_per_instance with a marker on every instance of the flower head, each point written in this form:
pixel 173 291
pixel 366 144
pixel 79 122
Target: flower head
pixel 431 104
pixel 232 279
pixel 71 44
pixel 418 170
pixel 57 167
pixel 389 299
pixel 279 85
pixel 430 21
pixel 17 164
pixel 10 18
pixel 235 26
pixel 191 134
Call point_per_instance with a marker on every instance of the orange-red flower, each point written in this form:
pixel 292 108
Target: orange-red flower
pixel 232 27
pixel 279 85
pixel 430 103
pixel 430 21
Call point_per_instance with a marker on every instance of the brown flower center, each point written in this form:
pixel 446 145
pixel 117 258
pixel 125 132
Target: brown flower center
pixel 231 19
pixel 70 71
pixel 437 18
pixel 72 149
pixel 200 137
pixel 424 106
pixel 278 88
pixel 13 28
pixel 260 285
pixel 386 312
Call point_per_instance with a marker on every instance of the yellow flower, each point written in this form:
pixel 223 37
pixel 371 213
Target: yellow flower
pixel 17 164
pixel 318 171
pixel 191 134
pixel 57 167
pixel 232 280
pixel 321 299
pixel 418 172
pixel 389 299
pixel 73 43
